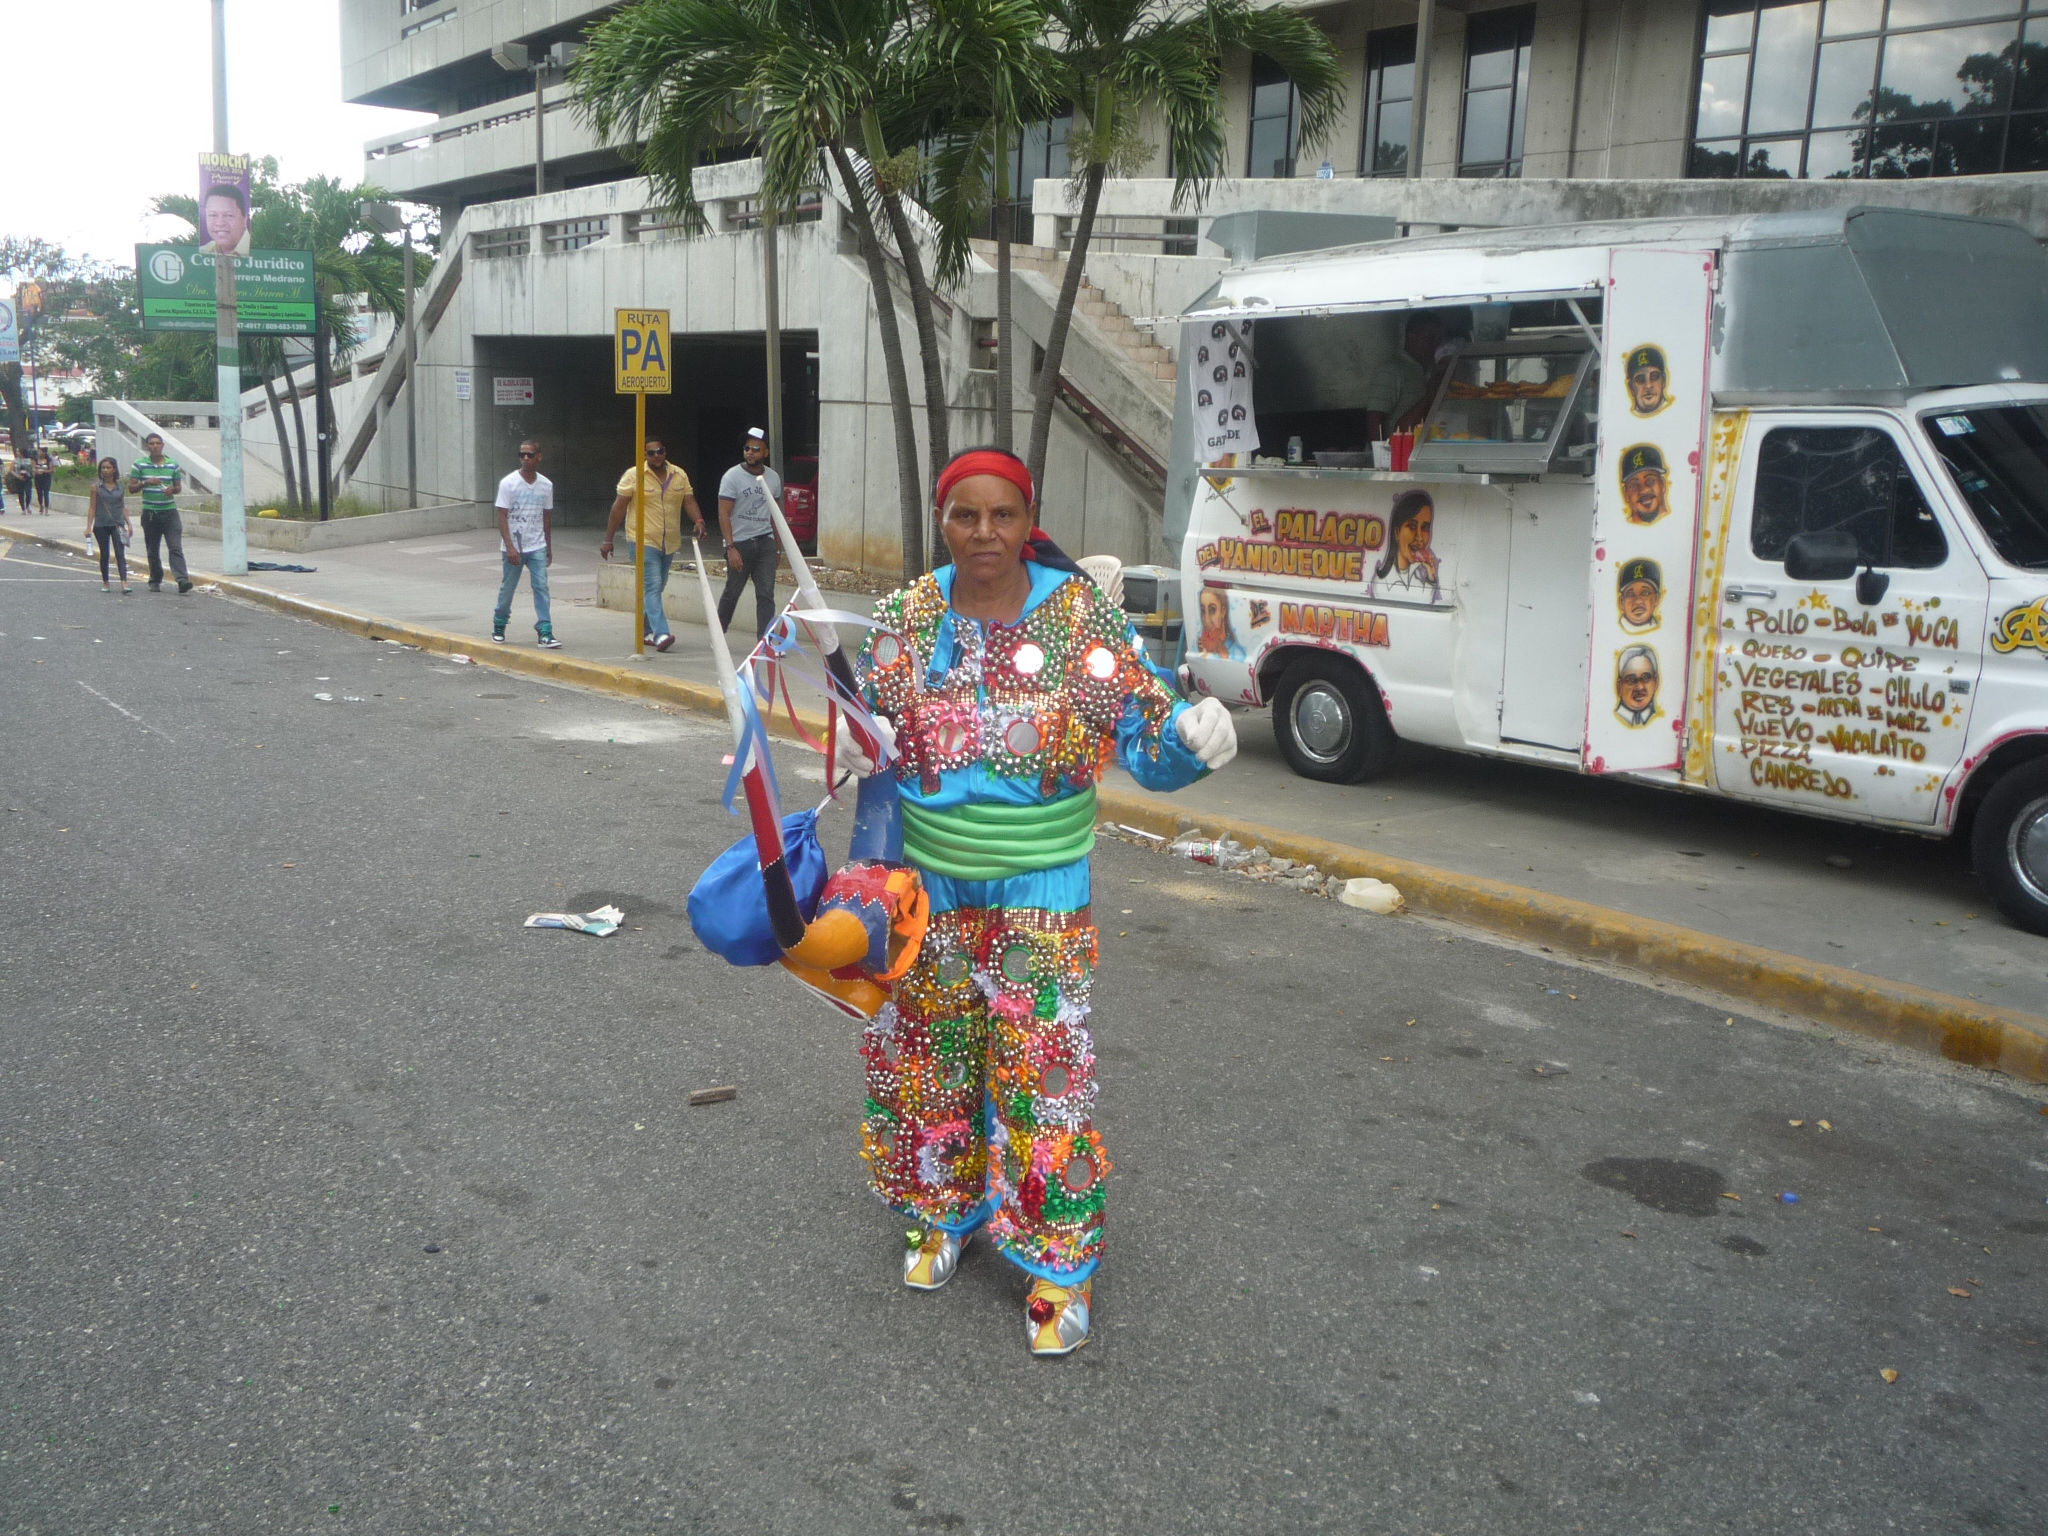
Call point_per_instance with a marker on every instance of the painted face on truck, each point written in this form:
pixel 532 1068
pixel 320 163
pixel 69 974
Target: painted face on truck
pixel 1411 543
pixel 1639 594
pixel 1410 558
pixel 1635 685
pixel 1644 479
pixel 1648 375
pixel 1647 500
pixel 1216 638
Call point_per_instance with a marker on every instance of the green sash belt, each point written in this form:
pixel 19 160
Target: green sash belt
pixel 993 842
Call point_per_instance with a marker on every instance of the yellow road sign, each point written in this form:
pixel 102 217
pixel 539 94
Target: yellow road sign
pixel 640 351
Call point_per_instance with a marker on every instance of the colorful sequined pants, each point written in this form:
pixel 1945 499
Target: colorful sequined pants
pixel 981 1083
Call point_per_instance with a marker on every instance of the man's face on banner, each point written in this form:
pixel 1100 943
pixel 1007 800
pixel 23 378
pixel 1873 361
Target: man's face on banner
pixel 225 221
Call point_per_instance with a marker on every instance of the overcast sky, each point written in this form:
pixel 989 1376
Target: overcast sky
pixel 106 103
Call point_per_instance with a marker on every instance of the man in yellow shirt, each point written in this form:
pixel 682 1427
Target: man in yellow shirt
pixel 668 497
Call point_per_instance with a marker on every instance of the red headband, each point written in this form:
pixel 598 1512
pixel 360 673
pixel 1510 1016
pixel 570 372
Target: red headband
pixel 983 461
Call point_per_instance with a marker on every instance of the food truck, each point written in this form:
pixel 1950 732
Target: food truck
pixel 1754 507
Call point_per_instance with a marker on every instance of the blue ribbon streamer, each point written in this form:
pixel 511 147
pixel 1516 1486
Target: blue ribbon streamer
pixel 753 739
pixel 780 643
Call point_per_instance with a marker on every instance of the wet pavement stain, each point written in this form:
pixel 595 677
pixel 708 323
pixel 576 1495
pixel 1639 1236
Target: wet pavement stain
pixel 1748 1247
pixel 1661 1183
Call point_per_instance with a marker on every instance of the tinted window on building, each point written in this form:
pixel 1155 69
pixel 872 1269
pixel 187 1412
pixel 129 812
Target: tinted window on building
pixel 1839 89
pixel 1275 122
pixel 1497 47
pixel 1038 151
pixel 1389 102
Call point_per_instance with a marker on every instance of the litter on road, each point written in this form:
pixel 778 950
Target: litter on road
pixel 599 923
pixel 1370 895
pixel 714 1095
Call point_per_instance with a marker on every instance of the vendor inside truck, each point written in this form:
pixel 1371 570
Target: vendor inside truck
pixel 1399 390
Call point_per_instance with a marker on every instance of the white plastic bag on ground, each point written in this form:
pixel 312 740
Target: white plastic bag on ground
pixel 1370 895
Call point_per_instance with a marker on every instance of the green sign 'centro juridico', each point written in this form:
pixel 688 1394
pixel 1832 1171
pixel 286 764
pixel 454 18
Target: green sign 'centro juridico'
pixel 273 290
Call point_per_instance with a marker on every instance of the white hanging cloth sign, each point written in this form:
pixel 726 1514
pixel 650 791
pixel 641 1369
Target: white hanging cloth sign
pixel 1218 357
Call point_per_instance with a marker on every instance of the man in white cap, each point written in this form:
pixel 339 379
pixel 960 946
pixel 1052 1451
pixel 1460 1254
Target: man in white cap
pixel 749 532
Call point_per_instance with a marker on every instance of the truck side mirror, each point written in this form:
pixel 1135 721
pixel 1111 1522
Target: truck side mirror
pixel 1830 556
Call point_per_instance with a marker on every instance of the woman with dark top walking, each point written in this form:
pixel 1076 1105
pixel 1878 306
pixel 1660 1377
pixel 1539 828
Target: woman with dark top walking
pixel 108 523
pixel 20 481
pixel 44 472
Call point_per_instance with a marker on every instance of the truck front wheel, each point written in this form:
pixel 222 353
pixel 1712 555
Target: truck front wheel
pixel 2010 845
pixel 1329 723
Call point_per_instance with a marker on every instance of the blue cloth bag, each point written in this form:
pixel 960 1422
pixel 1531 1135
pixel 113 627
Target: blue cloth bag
pixel 728 911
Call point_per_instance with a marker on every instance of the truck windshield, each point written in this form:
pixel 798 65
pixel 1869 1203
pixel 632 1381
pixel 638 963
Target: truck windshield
pixel 1998 456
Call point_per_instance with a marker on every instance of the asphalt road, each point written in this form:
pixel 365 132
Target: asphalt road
pixel 333 1199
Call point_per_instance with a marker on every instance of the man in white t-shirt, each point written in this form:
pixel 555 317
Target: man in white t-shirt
pixel 749 533
pixel 526 527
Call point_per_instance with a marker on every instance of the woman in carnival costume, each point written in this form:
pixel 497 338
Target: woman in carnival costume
pixel 1011 681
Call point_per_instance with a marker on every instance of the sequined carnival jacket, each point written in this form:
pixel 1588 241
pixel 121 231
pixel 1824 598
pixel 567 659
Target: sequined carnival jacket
pixel 1022 713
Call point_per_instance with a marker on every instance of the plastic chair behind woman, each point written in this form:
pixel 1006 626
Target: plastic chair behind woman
pixel 1107 572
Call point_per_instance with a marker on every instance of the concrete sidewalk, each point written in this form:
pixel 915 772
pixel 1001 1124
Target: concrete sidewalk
pixel 1878 904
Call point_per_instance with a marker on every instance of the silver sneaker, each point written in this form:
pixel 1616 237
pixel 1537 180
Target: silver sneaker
pixel 930 1257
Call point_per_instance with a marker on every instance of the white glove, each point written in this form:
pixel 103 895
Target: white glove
pixel 847 756
pixel 1206 731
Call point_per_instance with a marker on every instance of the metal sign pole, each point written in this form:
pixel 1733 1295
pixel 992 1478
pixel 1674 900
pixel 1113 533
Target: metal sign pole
pixel 639 522
pixel 412 387
pixel 771 298
pixel 234 529
pixel 640 364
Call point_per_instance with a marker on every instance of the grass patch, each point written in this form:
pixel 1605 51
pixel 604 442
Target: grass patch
pixel 344 506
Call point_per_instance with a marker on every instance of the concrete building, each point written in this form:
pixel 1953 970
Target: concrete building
pixel 1542 112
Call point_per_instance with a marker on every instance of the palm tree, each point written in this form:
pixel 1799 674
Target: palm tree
pixel 1125 57
pixel 980 69
pixel 684 78
pixel 351 258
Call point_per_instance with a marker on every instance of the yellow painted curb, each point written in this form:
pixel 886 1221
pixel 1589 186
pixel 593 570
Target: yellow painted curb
pixel 1959 1029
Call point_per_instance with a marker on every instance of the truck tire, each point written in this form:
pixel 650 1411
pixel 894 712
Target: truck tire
pixel 2009 845
pixel 1329 722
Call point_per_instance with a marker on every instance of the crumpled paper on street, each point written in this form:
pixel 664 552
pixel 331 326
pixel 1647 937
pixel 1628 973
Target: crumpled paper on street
pixel 599 923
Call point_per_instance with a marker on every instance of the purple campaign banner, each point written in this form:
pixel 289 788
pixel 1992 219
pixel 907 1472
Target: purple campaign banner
pixel 224 204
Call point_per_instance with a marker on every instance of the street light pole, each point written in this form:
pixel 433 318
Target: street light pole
pixel 540 155
pixel 234 530
pixel 1425 45
pixel 771 303
pixel 412 387
pixel 517 57
pixel 29 308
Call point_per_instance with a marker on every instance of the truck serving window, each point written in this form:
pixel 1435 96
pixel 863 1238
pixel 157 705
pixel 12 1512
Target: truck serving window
pixel 1847 479
pixel 1520 406
pixel 1998 457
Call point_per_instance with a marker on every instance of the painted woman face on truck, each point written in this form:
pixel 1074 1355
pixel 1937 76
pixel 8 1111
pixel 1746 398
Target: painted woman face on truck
pixel 1216 637
pixel 1409 559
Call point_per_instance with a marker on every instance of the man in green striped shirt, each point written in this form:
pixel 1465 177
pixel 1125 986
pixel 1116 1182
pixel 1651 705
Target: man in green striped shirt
pixel 158 480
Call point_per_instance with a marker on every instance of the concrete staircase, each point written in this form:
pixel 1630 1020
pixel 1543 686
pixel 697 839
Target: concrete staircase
pixel 1148 359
